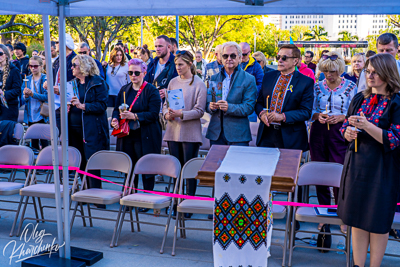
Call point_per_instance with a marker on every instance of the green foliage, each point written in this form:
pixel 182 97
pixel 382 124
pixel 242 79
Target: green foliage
pixel 347 36
pixel 34 46
pixel 269 38
pixel 317 33
pixel 372 42
pixel 298 31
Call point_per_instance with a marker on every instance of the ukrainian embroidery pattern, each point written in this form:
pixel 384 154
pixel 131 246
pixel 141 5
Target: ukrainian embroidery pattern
pixel 242 221
pixel 279 92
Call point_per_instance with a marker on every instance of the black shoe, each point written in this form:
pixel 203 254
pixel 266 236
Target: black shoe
pixel 143 210
pixel 100 206
pixel 188 215
pixel 395 233
pixel 210 216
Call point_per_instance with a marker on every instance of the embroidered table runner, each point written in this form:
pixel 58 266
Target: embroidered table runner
pixel 243 210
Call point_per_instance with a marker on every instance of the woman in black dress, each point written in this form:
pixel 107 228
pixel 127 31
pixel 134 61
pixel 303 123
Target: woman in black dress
pixel 370 180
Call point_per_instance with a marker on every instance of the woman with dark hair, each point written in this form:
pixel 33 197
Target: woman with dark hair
pixel 370 179
pixel 143 106
pixel 10 86
pixel 116 74
pixel 183 133
pixel 87 118
pixel 145 54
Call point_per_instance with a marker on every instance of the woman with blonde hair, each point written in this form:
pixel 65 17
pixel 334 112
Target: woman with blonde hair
pixel 262 60
pixel 357 65
pixel 10 86
pixel 87 118
pixel 332 97
pixel 116 74
pixel 183 133
pixel 35 95
pixel 370 179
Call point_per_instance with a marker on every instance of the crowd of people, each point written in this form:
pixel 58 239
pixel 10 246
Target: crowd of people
pixel 235 89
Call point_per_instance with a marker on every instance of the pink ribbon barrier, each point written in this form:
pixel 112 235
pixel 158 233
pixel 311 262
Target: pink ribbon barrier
pixel 282 203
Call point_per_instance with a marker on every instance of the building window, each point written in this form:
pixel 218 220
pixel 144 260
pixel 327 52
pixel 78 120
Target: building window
pixel 339 16
pixel 355 26
pixel 347 26
pixel 285 17
pixel 285 27
pixel 351 26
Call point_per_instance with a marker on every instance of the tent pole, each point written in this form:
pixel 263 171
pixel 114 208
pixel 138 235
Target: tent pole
pixel 177 30
pixel 53 130
pixel 64 124
pixel 141 31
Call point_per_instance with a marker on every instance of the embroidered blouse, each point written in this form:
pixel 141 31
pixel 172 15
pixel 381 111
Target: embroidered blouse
pixel 337 100
pixel 279 93
pixel 373 108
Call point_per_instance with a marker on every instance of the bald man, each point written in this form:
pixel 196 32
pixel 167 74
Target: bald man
pixel 250 65
pixel 215 66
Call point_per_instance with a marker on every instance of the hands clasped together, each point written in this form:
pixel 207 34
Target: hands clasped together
pixel 360 122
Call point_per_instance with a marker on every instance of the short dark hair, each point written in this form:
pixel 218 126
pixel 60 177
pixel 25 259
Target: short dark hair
pixel 119 43
pixel 166 38
pixel 295 50
pixel 370 53
pixel 35 51
pixel 309 52
pixel 387 38
pixel 174 42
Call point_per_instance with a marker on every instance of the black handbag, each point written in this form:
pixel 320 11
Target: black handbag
pixel 324 240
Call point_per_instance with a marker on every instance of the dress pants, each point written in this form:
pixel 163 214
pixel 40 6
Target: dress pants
pixel 76 140
pixel 222 141
pixel 327 146
pixel 133 148
pixel 185 151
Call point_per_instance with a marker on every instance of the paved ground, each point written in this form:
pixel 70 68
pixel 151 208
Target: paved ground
pixel 142 248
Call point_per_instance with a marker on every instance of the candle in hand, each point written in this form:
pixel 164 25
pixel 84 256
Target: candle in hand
pixel 267 104
pixel 326 109
pixel 355 141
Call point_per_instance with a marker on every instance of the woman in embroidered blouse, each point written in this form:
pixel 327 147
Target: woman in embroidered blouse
pixel 334 94
pixel 370 179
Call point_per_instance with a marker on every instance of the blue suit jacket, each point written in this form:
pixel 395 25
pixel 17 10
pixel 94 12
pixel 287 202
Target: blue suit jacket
pixel 297 107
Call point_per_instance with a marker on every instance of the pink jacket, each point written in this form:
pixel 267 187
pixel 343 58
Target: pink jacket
pixel 307 71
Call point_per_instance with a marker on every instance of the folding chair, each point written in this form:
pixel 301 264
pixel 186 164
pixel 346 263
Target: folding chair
pixel 19 132
pixel 149 164
pixel 38 131
pixel 205 146
pixel 189 171
pixel 46 190
pixel 317 173
pixel 103 160
pixel 14 155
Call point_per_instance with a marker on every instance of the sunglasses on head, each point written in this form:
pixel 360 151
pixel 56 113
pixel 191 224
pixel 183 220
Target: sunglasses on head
pixel 82 53
pixel 137 73
pixel 284 57
pixel 226 56
pixel 333 57
pixel 33 66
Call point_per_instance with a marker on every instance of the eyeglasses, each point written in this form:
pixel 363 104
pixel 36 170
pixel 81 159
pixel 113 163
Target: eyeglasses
pixel 57 42
pixel 398 51
pixel 135 53
pixel 82 53
pixel 245 54
pixel 137 73
pixel 373 73
pixel 333 57
pixel 1 54
pixel 259 61
pixel 74 65
pixel 33 66
pixel 284 57
pixel 308 57
pixel 226 56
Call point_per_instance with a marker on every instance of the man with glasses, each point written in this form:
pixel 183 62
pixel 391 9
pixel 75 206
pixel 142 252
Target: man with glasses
pixel 231 98
pixel 84 49
pixel 308 57
pixel 215 66
pixel 250 65
pixel 386 43
pixel 290 97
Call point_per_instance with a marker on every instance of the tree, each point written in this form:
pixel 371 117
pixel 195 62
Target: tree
pixel 317 33
pixel 269 38
pixel 298 31
pixel 101 31
pixel 29 24
pixel 394 20
pixel 204 32
pixel 372 42
pixel 347 36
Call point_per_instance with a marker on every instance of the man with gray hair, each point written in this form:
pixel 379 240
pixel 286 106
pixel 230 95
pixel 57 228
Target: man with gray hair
pixel 231 98
pixel 386 43
pixel 215 66
pixel 84 49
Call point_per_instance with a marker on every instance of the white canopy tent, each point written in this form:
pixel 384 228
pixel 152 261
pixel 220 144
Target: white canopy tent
pixel 72 8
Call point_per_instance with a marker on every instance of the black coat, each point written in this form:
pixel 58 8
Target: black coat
pixel 297 107
pixel 95 124
pixel 165 76
pixel 370 179
pixel 12 93
pixel 150 128
pixel 56 66
pixel 24 63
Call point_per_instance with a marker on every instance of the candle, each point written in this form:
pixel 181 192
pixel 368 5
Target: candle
pixel 355 141
pixel 326 109
pixel 26 82
pixel 267 104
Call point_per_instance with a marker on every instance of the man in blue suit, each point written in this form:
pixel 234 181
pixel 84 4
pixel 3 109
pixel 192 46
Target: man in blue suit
pixel 290 101
pixel 231 97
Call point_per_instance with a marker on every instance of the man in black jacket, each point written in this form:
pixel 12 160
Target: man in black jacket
pixel 20 53
pixel 290 100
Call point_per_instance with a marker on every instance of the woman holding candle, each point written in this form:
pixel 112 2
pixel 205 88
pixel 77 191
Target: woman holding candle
pixel 34 95
pixel 143 103
pixel 332 97
pixel 10 86
pixel 87 118
pixel 183 133
pixel 370 179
